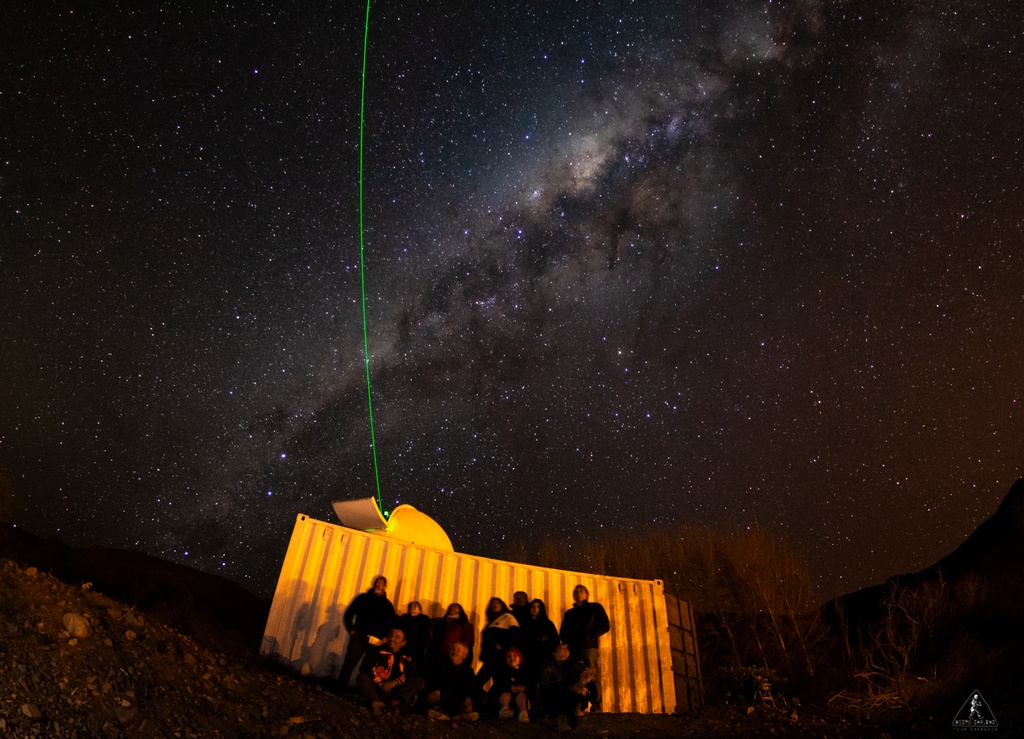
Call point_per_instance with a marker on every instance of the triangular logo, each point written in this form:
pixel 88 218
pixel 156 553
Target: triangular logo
pixel 975 714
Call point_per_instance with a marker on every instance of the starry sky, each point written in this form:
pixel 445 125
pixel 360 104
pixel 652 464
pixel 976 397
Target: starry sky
pixel 627 264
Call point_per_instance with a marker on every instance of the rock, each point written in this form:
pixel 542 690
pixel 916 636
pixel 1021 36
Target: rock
pixel 30 710
pixel 77 626
pixel 302 720
pixel 126 714
pixel 130 635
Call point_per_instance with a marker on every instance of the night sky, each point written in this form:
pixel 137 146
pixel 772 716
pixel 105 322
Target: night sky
pixel 628 264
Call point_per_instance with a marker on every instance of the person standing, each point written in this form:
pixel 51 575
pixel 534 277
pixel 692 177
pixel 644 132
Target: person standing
pixel 582 627
pixel 538 637
pixel 368 619
pixel 520 606
pixel 453 627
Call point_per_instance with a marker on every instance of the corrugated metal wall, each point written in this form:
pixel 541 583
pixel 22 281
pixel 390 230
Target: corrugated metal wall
pixel 685 665
pixel 326 566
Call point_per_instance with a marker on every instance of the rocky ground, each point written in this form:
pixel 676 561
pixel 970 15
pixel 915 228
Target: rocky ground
pixel 77 663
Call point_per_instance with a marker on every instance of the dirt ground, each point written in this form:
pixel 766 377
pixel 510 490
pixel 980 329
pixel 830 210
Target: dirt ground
pixel 77 663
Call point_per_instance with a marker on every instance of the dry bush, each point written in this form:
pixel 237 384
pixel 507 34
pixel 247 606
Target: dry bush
pixel 889 656
pixel 756 594
pixel 780 591
pixel 969 593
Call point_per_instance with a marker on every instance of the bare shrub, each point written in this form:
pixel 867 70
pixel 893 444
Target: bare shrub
pixel 781 592
pixel 888 656
pixel 756 593
pixel 969 592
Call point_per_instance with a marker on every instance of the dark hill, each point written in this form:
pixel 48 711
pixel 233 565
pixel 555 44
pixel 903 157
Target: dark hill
pixel 990 560
pixel 958 624
pixel 996 547
pixel 215 611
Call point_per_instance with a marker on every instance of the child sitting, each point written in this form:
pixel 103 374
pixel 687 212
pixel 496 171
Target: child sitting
pixel 510 686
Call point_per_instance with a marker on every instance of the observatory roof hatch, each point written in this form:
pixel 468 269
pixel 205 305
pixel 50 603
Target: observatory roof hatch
pixel 405 523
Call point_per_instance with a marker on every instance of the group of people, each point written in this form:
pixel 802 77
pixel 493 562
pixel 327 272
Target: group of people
pixel 411 662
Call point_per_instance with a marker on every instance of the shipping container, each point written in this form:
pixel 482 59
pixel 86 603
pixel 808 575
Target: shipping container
pixel 327 565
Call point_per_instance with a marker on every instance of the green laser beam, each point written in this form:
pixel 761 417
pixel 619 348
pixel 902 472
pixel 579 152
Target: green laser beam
pixel 362 261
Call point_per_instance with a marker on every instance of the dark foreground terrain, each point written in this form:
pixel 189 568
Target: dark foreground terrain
pixel 77 662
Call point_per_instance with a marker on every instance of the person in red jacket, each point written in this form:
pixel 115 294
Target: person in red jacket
pixel 453 627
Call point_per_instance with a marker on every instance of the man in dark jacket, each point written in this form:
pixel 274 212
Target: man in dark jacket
pixel 368 619
pixel 520 606
pixel 389 677
pixel 582 627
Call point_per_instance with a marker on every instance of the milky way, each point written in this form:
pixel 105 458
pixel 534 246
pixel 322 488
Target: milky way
pixel 627 265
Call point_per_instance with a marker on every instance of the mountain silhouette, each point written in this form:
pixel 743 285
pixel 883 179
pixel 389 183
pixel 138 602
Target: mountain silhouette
pixel 996 548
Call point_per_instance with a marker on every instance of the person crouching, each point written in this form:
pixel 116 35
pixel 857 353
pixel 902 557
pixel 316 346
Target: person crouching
pixel 389 677
pixel 451 686
pixel 566 687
